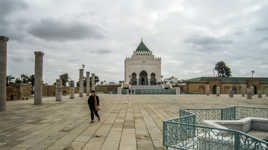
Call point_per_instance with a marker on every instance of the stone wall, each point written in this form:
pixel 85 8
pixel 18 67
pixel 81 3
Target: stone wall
pixel 196 88
pixel 199 87
pixel 107 88
pixel 49 90
pixel 25 91
pixel 13 93
pixel 76 90
pixel 264 87
pixel 65 91
pixel 20 92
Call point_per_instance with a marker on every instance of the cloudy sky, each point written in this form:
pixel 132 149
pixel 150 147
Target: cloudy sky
pixel 189 35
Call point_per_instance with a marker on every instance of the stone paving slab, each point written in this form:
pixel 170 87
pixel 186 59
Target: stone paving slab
pixel 129 122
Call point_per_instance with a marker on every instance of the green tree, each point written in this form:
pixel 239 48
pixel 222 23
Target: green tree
pixel 97 79
pixel 18 81
pixel 64 78
pixel 222 69
pixel 25 79
pixel 10 79
pixel 31 80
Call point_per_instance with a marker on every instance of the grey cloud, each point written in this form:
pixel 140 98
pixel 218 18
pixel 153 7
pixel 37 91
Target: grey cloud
pixel 56 30
pixel 102 51
pixel 8 26
pixel 207 42
pixel 264 39
pixel 172 34
pixel 73 60
pixel 262 29
pixel 9 6
pixel 16 59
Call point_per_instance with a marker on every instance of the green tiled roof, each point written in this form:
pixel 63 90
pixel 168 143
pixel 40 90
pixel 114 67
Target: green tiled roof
pixel 200 79
pixel 229 79
pixel 142 47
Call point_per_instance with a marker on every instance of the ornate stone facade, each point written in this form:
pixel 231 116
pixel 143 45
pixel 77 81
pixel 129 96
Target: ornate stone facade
pixel 142 68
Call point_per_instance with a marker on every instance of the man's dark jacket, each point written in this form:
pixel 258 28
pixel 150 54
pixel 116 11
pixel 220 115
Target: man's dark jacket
pixel 91 102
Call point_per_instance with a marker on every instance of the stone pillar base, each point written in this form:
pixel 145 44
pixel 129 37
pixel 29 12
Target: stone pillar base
pixel 259 95
pixel 71 93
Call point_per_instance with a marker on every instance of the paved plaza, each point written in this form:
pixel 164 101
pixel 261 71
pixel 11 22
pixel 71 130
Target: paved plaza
pixel 129 122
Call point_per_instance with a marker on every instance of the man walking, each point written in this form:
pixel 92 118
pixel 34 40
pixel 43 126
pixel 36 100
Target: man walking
pixel 94 105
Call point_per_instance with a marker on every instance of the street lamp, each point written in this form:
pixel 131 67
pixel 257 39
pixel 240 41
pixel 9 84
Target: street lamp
pixel 252 72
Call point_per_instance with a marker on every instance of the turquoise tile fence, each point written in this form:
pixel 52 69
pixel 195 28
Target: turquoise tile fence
pixel 186 133
pixel 152 91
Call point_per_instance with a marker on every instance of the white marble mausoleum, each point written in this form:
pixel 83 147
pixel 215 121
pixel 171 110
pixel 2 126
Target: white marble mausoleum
pixel 142 68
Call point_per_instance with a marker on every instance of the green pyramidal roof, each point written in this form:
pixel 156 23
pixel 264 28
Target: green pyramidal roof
pixel 142 47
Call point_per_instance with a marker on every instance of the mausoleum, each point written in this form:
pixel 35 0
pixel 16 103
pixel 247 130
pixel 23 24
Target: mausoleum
pixel 142 68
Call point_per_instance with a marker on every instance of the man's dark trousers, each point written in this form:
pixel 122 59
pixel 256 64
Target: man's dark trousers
pixel 93 111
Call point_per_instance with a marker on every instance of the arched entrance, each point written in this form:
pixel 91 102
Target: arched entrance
pixel 255 89
pixel 214 89
pixel 153 79
pixel 133 80
pixel 12 97
pixel 143 78
pixel 234 90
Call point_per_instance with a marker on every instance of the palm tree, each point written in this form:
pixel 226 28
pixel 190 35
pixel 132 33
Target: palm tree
pixel 64 78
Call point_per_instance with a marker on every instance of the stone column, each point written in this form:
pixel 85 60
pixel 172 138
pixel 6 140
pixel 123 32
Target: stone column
pixel 218 90
pixel 231 93
pixel 93 81
pixel 3 72
pixel 149 81
pixel 207 90
pixel 87 83
pixel 249 93
pixel 178 90
pixel 266 92
pixel 119 90
pixel 138 81
pixel 38 76
pixel 259 93
pixel 81 82
pixel 58 89
pixel 72 89
pixel 243 90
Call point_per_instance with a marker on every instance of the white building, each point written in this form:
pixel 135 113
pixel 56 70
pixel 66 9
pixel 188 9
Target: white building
pixel 142 68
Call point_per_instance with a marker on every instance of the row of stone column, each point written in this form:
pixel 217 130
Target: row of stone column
pixel 249 92
pixel 38 75
pixel 81 82
pixel 72 88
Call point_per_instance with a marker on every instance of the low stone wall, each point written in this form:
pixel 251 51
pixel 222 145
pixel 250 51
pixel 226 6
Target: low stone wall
pixel 19 92
pixel 107 88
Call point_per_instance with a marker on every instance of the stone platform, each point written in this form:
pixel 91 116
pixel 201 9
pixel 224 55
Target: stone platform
pixel 129 122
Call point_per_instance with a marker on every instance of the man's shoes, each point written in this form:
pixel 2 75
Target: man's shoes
pixel 99 119
pixel 91 121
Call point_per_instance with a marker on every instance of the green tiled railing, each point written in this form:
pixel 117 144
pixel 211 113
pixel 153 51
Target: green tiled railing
pixel 186 133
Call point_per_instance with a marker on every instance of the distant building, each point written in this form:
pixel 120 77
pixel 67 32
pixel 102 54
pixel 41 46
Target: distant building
pixel 199 85
pixel 142 68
